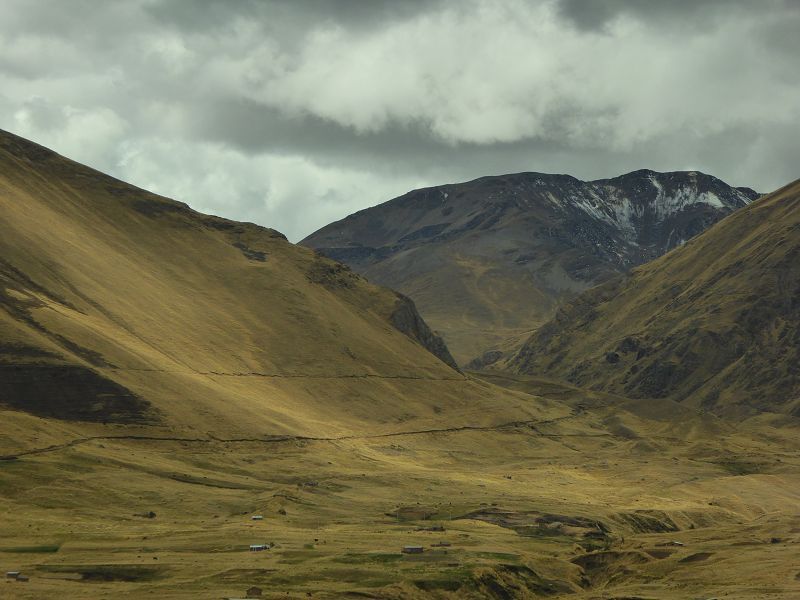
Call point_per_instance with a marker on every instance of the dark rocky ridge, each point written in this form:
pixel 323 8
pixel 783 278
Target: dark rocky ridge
pixel 406 318
pixel 491 258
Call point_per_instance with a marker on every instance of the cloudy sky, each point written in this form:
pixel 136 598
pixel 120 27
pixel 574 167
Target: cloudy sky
pixel 295 113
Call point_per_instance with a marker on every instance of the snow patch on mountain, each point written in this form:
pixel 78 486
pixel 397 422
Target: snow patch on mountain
pixel 667 205
pixel 592 205
pixel 613 206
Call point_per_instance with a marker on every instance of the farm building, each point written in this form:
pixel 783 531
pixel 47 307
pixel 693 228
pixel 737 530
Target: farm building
pixel 413 550
pixel 258 547
pixel 257 517
pixel 671 543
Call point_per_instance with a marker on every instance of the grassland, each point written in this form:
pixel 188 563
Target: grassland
pixel 585 503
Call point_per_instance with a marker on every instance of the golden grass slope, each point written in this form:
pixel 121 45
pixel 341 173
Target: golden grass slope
pixel 119 306
pixel 715 323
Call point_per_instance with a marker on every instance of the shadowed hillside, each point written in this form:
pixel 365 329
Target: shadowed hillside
pixel 489 260
pixel 715 323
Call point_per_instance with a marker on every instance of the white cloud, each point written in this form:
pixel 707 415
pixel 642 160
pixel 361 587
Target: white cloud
pixel 90 135
pixel 266 112
pixel 496 74
pixel 267 189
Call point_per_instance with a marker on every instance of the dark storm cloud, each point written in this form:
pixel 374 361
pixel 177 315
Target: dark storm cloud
pixel 205 15
pixel 597 14
pixel 293 114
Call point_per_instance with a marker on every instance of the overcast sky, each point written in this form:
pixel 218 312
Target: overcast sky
pixel 295 113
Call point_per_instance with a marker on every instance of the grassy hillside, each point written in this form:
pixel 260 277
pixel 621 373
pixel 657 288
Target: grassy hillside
pixel 119 306
pixel 715 323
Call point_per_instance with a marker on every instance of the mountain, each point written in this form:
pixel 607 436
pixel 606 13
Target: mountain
pixel 489 260
pixel 714 324
pixel 120 306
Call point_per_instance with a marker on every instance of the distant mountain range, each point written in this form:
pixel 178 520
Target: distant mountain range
pixel 489 260
pixel 714 324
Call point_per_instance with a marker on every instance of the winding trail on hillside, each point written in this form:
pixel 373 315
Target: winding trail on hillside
pixel 531 425
pixel 190 371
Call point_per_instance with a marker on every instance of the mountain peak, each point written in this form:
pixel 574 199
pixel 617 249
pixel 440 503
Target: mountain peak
pixel 513 246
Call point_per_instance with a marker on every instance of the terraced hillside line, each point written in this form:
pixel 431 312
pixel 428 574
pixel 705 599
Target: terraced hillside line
pixel 190 371
pixel 351 376
pixel 300 438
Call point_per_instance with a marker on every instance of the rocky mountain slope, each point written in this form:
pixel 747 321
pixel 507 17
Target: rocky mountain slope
pixel 714 323
pixel 119 306
pixel 488 260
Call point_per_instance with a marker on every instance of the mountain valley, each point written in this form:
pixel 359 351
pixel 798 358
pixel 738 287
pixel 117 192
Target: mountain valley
pixel 166 376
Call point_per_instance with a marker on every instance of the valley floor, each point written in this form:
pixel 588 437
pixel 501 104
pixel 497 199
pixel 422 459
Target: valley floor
pixel 602 498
